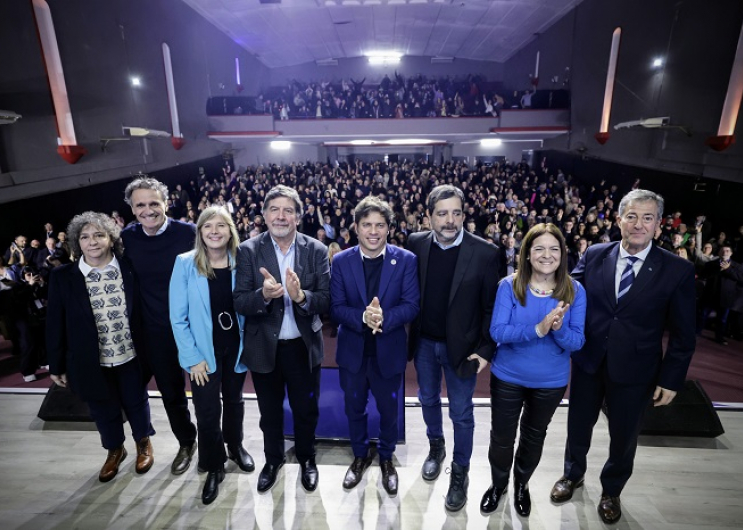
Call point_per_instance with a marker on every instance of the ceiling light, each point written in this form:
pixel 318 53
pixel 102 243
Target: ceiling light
pixel 281 145
pixel 491 142
pixel 361 142
pixel 136 81
pixel 384 57
pixel 657 62
pixel 409 141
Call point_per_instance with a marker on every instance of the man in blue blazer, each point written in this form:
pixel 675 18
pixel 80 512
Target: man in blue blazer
pixel 635 291
pixel 373 293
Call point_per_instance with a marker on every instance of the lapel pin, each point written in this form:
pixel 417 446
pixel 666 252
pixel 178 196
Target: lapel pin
pixel 394 261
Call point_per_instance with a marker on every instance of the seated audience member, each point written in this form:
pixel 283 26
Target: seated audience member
pixel 94 352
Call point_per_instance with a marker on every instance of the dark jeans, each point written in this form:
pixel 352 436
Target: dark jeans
pixel 127 392
pixel 302 383
pixel 507 400
pixel 209 412
pixel 431 360
pixel 32 346
pixel 161 360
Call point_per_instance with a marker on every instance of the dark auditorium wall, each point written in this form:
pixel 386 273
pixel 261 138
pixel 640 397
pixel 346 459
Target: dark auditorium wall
pixel 698 39
pixel 719 200
pixel 101 44
pixel 28 216
pixel 359 68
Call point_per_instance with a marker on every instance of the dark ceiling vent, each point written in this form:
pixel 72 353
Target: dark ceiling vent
pixel 270 1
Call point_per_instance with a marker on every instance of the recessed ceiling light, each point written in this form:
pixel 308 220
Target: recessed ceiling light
pixel 136 81
pixel 657 62
pixel 281 145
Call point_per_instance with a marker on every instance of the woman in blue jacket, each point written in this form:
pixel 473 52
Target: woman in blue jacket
pixel 538 320
pixel 209 338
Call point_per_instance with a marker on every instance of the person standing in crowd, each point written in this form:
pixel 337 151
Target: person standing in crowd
pixel 374 293
pixel 209 338
pixel 93 339
pixel 152 245
pixel 634 291
pixel 723 292
pixel 538 321
pixel 458 275
pixel 282 287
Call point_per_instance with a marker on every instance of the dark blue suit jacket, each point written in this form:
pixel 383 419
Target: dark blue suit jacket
pixel 399 298
pixel 629 334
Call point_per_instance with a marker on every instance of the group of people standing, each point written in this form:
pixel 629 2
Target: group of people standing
pixel 193 298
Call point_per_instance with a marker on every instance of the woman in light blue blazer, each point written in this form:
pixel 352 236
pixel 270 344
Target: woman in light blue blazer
pixel 209 337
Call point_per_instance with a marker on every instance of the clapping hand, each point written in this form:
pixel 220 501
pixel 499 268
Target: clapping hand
pixel 294 287
pixel 373 316
pixel 271 288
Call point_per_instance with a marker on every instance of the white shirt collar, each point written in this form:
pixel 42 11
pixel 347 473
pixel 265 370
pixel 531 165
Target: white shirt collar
pixel 85 268
pixel 364 256
pixel 160 230
pixel 457 241
pixel 642 255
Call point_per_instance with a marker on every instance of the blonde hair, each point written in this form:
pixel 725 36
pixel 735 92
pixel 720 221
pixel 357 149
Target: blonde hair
pixel 201 258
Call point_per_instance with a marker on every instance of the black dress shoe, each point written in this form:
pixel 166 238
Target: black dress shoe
pixel 268 476
pixel 521 498
pixel 490 500
pixel 211 486
pixel 389 477
pixel 436 454
pixel 242 458
pixel 610 509
pixel 309 474
pixel 182 460
pixel 563 489
pixel 356 471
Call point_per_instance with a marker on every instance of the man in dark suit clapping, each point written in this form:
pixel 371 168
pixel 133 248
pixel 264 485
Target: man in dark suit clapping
pixel 633 290
pixel 282 287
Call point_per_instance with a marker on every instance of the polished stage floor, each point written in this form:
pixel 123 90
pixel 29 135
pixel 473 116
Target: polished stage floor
pixel 48 479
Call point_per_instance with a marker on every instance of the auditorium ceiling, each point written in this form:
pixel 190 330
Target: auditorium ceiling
pixel 291 32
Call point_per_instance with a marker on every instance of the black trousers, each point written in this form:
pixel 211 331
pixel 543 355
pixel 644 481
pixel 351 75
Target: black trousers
pixel 386 393
pixel 625 406
pixel 535 407
pixel 212 433
pixel 302 383
pixel 32 345
pixel 126 391
pixel 161 360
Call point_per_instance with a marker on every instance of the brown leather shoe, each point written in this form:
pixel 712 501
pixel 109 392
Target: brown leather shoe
pixel 563 489
pixel 145 456
pixel 610 509
pixel 111 466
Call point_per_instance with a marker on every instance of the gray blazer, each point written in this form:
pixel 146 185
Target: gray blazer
pixel 263 322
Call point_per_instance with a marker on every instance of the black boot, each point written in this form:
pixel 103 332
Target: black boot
pixel 211 486
pixel 459 481
pixel 521 498
pixel 436 455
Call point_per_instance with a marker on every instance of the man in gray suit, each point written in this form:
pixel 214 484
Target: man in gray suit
pixel 282 286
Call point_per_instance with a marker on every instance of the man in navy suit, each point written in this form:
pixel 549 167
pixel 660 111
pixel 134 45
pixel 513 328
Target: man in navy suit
pixel 373 293
pixel 635 291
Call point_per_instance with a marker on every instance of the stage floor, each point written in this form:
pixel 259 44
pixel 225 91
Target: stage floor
pixel 49 480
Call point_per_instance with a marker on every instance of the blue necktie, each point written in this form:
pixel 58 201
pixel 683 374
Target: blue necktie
pixel 628 276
